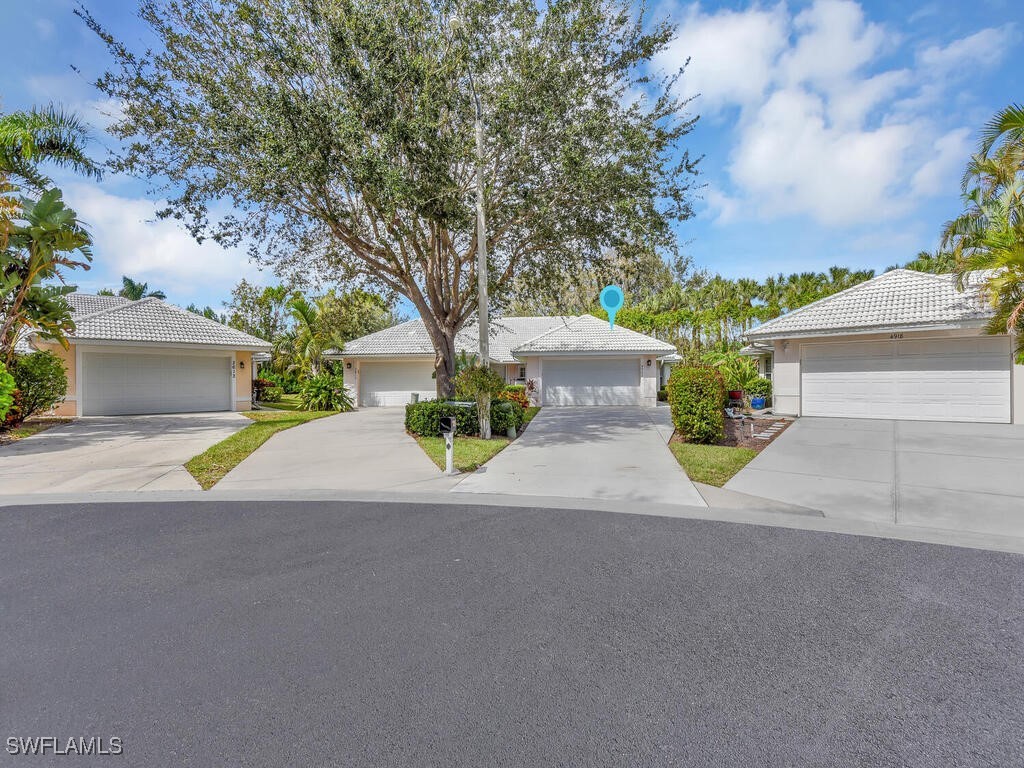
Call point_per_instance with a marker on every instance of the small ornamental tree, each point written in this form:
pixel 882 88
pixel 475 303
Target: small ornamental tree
pixel 481 384
pixel 7 386
pixel 41 380
pixel 696 395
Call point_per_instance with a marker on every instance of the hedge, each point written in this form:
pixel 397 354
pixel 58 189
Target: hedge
pixel 696 395
pixel 424 418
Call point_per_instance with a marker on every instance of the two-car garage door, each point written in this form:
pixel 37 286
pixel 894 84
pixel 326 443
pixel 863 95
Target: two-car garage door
pixel 116 383
pixel 920 379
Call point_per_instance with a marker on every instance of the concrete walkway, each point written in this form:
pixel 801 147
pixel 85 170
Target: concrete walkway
pixel 590 453
pixel 114 453
pixel 365 450
pixel 964 477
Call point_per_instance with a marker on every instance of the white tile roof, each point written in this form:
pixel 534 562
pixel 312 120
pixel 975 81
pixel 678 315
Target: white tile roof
pixel 509 336
pixel 152 321
pixel 408 339
pixel 901 298
pixel 87 303
pixel 587 333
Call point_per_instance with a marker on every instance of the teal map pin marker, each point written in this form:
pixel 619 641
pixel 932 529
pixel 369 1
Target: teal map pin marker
pixel 612 300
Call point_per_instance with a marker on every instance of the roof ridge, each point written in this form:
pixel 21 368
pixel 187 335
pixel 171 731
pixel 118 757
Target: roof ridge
pixel 107 310
pixel 572 319
pixel 828 298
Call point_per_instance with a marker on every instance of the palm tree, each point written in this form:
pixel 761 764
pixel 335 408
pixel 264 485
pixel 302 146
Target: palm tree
pixel 134 291
pixel 28 139
pixel 937 263
pixel 50 239
pixel 989 235
pixel 313 336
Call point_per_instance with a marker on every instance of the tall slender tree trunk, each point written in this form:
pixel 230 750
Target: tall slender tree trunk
pixel 444 363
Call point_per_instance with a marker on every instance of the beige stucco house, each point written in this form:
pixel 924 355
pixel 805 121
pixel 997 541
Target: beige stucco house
pixel 578 360
pixel 904 345
pixel 148 356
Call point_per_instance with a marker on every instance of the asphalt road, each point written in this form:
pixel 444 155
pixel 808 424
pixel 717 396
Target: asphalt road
pixel 317 634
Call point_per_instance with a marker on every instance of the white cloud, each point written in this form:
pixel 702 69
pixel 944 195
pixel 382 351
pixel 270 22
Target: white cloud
pixel 731 54
pixel 128 239
pixel 823 128
pixel 985 49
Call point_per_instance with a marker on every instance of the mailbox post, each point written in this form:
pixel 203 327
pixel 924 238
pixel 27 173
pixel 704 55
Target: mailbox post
pixel 448 430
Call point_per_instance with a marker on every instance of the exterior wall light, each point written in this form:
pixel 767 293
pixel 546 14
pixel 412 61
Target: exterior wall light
pixel 348 365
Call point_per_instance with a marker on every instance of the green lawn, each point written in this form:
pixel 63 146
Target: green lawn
pixel 286 403
pixel 532 411
pixel 211 465
pixel 711 464
pixel 470 452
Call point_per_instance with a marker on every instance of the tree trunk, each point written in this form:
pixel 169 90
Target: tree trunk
pixel 444 364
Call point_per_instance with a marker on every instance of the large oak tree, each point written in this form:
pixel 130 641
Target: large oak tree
pixel 341 133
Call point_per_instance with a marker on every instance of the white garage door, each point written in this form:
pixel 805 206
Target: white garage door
pixel 592 381
pixel 121 384
pixel 920 379
pixel 394 383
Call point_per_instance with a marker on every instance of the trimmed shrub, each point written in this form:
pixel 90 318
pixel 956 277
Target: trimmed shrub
pixel 289 382
pixel 506 414
pixel 259 388
pixel 325 392
pixel 760 387
pixel 662 395
pixel 41 379
pixel 516 388
pixel 272 394
pixel 696 395
pixel 7 387
pixel 424 418
pixel 515 396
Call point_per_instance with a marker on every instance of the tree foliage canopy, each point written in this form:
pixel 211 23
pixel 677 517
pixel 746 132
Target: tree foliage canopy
pixel 342 132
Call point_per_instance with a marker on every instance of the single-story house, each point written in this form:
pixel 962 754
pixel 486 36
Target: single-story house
pixel 903 345
pixel 136 357
pixel 577 360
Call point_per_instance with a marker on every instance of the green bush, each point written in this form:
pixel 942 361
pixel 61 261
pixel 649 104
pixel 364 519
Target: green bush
pixel 325 392
pixel 506 414
pixel 272 394
pixel 424 418
pixel 516 388
pixel 289 382
pixel 696 395
pixel 760 387
pixel 662 395
pixel 41 379
pixel 7 387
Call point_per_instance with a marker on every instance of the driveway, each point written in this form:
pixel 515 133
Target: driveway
pixel 364 450
pixel 210 633
pixel 932 474
pixel 590 453
pixel 114 453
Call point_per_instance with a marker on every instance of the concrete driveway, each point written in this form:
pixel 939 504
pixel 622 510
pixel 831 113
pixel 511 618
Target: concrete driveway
pixel 364 450
pixel 114 453
pixel 956 476
pixel 590 453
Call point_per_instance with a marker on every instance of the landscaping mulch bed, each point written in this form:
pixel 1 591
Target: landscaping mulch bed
pixel 738 433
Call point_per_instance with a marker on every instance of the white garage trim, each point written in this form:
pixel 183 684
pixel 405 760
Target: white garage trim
pixel 131 381
pixel 393 382
pixel 921 379
pixel 591 381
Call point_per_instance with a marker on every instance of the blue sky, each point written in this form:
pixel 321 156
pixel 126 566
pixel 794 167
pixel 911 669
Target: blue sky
pixel 834 131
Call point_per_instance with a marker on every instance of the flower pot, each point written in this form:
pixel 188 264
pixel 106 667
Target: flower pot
pixel 735 394
pixel 757 403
